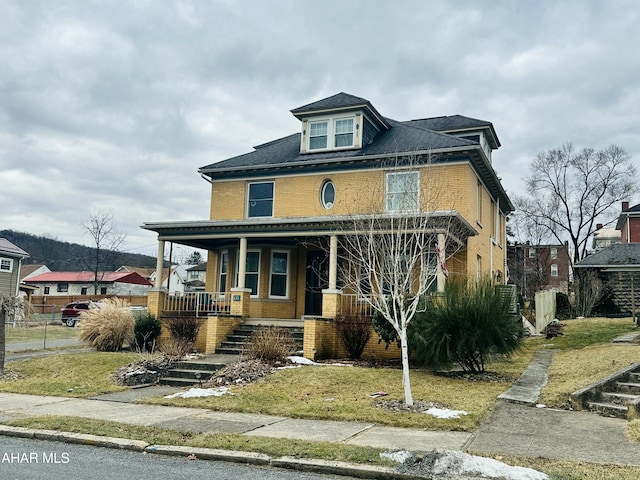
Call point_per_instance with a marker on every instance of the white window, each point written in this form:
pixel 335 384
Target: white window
pixel 6 265
pixel 554 253
pixel 317 135
pixel 260 203
pixel 554 270
pixel 63 287
pixel 479 203
pixel 403 192
pixel 532 253
pixel 252 272
pixel 224 270
pixel 328 194
pixel 279 280
pixel 344 132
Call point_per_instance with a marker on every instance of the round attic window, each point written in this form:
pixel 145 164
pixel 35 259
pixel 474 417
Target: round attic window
pixel 328 194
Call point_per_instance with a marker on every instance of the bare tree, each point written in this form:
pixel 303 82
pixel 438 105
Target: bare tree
pixel 106 239
pixel 391 260
pixel 572 190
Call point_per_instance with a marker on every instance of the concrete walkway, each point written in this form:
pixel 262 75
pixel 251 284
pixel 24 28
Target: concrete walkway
pixel 514 427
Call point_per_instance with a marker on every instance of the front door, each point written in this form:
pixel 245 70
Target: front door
pixel 317 280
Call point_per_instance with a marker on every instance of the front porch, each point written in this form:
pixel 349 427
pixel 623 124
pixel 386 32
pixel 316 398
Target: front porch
pixel 222 314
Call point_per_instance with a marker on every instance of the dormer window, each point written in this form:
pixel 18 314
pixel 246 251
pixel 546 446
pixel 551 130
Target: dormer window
pixel 317 135
pixel 330 133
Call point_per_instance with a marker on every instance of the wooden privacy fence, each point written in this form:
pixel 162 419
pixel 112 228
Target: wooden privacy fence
pixel 44 303
pixel 545 309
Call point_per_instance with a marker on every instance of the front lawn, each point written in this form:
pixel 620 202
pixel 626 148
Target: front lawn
pixel 36 333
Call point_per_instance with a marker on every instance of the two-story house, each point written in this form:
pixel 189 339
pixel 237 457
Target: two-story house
pixel 11 257
pixel 629 223
pixel 273 206
pixel 538 267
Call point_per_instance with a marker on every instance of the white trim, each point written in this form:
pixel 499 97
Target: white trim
pixel 287 274
pixel 387 176
pixel 259 252
pixel 330 121
pixel 221 254
pixel 323 187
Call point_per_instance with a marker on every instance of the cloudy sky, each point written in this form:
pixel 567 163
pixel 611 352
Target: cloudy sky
pixel 116 104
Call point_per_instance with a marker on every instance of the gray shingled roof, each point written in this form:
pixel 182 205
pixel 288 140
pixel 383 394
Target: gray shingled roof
pixel 402 137
pixel 618 254
pixel 339 100
pixel 454 123
pixel 8 248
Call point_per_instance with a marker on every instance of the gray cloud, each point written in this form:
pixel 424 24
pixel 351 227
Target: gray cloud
pixel 115 105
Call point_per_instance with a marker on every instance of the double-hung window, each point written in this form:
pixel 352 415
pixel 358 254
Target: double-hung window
pixel 278 283
pixel 6 265
pixel 403 192
pixel 317 135
pixel 252 272
pixel 224 270
pixel 260 202
pixel 554 270
pixel 344 132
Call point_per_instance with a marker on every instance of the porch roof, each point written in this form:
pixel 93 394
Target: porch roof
pixel 201 233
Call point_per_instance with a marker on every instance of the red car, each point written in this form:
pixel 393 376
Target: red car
pixel 72 311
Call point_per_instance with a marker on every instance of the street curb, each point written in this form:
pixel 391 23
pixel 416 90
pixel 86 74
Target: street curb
pixel 79 438
pixel 291 463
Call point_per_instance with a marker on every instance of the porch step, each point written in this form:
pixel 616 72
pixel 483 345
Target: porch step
pixel 628 387
pixel 236 341
pixel 186 374
pixel 608 409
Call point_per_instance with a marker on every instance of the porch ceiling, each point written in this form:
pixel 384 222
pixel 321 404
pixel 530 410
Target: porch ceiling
pixel 202 233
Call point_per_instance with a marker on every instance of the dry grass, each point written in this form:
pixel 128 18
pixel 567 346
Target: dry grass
pixel 270 344
pixel 107 329
pixel 574 470
pixel 633 431
pixel 68 375
pixel 36 333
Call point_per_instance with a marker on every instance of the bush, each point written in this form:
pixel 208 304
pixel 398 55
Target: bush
pixel 466 326
pixel 146 330
pixel 354 331
pixel 108 328
pixel 385 330
pixel 184 328
pixel 270 344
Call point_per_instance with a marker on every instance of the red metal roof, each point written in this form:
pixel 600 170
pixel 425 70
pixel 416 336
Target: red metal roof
pixel 88 277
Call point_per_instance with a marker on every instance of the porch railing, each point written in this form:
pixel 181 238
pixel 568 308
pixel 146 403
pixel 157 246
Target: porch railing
pixel 200 303
pixel 352 303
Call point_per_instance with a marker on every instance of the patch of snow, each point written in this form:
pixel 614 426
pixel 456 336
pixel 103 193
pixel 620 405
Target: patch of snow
pixel 540 405
pixel 200 392
pixel 453 462
pixel 399 456
pixel 445 413
pixel 305 361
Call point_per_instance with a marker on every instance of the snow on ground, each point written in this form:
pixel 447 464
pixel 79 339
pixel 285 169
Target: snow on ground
pixel 200 392
pixel 445 413
pixel 305 361
pixel 444 464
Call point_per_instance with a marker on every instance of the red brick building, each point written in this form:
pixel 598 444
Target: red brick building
pixel 629 223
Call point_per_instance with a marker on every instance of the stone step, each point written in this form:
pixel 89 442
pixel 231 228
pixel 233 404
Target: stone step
pixel 204 366
pixel 634 377
pixel 618 398
pixel 628 387
pixel 178 382
pixel 195 375
pixel 228 350
pixel 608 409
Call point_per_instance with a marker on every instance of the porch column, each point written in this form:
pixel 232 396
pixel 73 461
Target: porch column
pixel 440 275
pixel 242 262
pixel 241 295
pixel 333 262
pixel 159 264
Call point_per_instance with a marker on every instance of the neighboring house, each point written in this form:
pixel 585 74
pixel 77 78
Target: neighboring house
pixel 196 278
pixel 173 280
pixel 270 206
pixel 604 237
pixel 11 257
pixel 629 223
pixel 82 283
pixel 618 266
pixel 32 270
pixel 539 267
pixel 145 272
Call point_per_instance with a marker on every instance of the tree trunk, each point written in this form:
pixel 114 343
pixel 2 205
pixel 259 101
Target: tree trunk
pixel 406 383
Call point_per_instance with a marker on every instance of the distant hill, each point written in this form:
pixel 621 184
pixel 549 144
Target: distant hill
pixel 65 257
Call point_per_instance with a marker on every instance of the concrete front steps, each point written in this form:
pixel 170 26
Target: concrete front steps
pixel 235 343
pixel 188 374
pixel 617 395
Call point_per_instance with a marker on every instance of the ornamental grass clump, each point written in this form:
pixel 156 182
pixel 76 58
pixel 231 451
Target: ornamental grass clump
pixel 109 328
pixel 468 325
pixel 270 344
